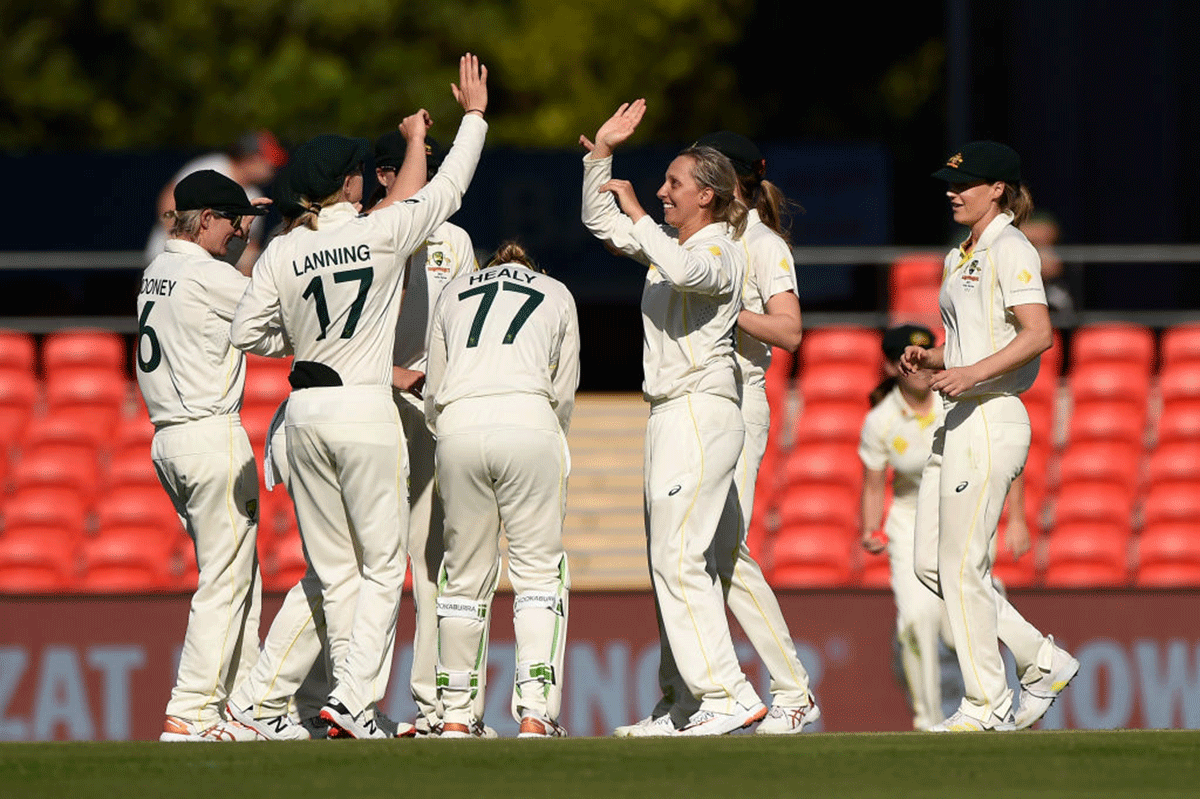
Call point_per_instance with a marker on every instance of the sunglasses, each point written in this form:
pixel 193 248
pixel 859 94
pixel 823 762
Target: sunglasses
pixel 234 219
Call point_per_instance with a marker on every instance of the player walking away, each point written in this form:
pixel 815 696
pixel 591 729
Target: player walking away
pixel 336 282
pixel 997 325
pixel 191 380
pixel 445 254
pixel 770 316
pixel 690 304
pixel 502 372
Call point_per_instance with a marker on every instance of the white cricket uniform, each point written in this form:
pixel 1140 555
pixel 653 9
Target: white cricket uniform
pixel 191 379
pixel 445 255
pixel 896 435
pixel 502 372
pixel 338 290
pixel 977 452
pixel 690 302
pixel 770 271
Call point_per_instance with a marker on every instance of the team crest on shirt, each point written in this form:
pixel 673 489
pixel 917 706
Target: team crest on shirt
pixel 715 250
pixel 437 265
pixel 970 275
pixel 1024 276
pixel 783 264
pixel 899 444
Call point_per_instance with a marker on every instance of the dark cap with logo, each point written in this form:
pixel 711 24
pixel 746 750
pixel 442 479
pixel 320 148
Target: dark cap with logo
pixel 210 189
pixel 982 160
pixel 321 164
pixel 744 154
pixel 391 146
pixel 896 339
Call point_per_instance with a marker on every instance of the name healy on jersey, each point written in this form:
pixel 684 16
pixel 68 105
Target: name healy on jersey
pixel 337 256
pixel 492 274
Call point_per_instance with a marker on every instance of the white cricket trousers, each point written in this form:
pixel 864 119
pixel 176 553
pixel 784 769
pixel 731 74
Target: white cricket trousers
pixel 747 593
pixel 692 447
pixel 502 460
pixel 349 473
pixel 207 468
pixel 977 453
pixel 920 616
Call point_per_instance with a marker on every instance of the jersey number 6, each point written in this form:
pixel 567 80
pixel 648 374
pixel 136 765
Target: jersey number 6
pixel 489 295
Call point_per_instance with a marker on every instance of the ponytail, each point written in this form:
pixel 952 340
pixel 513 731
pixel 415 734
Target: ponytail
pixel 512 253
pixel 1018 201
pixel 310 209
pixel 773 206
pixel 882 390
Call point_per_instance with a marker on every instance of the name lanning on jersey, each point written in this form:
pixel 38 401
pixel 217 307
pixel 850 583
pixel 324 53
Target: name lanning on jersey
pixel 336 256
pixel 494 274
pixel 159 286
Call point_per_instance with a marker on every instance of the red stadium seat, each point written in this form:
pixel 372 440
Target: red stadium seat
pixel 261 363
pixel 820 505
pixel 17 351
pixel 1077 558
pixel 132 469
pixel 1037 466
pixel 831 422
pixel 1169 556
pixel 1180 383
pixel 137 506
pixel 1015 572
pixel 779 380
pixel 133 436
pixel 1041 426
pixel 811 556
pixel 1113 343
pixel 919 301
pixel 18 397
pixel 1093 502
pixel 61 429
pixel 1172 502
pixel 1111 383
pixel 46 507
pixel 875 571
pixel 288 564
pixel 93 394
pixel 1177 462
pixel 83 347
pixel 52 466
pixel 266 387
pixel 276 514
pixel 1115 462
pixel 1106 421
pixel 126 560
pixel 853 345
pixel 919 269
pixel 1052 359
pixel 839 382
pixel 36 559
pixel 1179 422
pixel 822 464
pixel 1180 344
pixel 184 573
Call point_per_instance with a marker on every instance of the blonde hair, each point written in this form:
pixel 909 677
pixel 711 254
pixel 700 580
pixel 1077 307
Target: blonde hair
pixel 712 170
pixel 773 206
pixel 512 253
pixel 185 224
pixel 308 215
pixel 1018 201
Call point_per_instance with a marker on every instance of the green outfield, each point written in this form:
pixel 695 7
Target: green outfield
pixel 1051 764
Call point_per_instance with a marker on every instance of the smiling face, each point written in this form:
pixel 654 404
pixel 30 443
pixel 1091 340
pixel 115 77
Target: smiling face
pixel 685 203
pixel 215 233
pixel 972 202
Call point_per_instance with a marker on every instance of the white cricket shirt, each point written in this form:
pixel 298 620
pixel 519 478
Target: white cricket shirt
pixel 505 329
pixel 690 300
pixel 186 368
pixel 893 434
pixel 979 289
pixel 770 270
pixel 445 255
pixel 338 288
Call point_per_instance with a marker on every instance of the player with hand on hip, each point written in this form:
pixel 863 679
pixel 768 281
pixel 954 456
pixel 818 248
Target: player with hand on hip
pixel 336 283
pixel 502 372
pixel 690 303
pixel 997 325
pixel 770 316
pixel 191 379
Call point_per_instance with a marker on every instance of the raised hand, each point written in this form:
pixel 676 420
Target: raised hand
pixel 415 125
pixel 471 89
pixel 619 127
pixel 626 197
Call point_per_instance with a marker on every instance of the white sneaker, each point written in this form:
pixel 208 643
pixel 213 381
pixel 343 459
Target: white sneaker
pixel 273 728
pixel 176 730
pixel 649 727
pixel 344 724
pixel 537 726
pixel 709 722
pixel 1037 696
pixel 226 731
pixel 961 722
pixel 789 720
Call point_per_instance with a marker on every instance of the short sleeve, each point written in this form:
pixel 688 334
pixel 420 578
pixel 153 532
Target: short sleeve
pixel 872 448
pixel 1019 273
pixel 776 270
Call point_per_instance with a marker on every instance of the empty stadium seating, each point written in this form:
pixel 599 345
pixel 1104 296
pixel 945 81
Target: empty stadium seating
pixel 1115 462
pixel 1169 555
pixel 848 345
pixel 17 351
pixel 828 506
pixel 42 506
pixel 36 558
pixel 831 422
pixel 83 347
pixel 823 464
pixel 1114 382
pixel 126 560
pixel 1106 421
pixel 1113 343
pixel 921 269
pixel 1180 345
pixel 19 393
pixel 1175 462
pixel 1180 383
pixel 811 557
pixel 1179 422
pixel 1077 557
pixel 1093 502
pixel 1171 502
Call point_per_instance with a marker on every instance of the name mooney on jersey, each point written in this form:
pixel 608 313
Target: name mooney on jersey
pixel 161 287
pixel 337 256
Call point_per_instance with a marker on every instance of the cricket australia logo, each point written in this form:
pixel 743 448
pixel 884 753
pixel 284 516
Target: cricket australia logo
pixel 970 275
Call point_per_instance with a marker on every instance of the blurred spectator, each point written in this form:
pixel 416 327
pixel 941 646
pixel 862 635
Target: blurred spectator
pixel 251 162
pixel 1043 231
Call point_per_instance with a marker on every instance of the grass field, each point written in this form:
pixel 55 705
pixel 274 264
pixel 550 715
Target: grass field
pixel 1048 764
